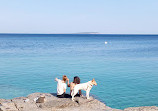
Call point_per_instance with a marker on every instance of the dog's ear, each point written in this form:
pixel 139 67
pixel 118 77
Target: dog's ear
pixel 93 79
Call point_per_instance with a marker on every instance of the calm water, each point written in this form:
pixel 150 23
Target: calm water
pixel 126 69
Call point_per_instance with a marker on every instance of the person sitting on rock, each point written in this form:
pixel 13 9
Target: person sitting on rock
pixel 61 87
pixel 72 85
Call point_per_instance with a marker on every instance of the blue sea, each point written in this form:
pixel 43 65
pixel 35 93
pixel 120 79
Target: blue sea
pixel 126 68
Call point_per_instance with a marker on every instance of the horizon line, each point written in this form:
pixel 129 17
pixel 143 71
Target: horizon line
pixel 91 33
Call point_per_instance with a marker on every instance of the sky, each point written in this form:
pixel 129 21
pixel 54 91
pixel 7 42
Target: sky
pixel 76 16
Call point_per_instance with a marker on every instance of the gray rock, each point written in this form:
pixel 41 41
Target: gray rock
pixel 49 102
pixel 144 108
pixel 8 106
pixel 22 105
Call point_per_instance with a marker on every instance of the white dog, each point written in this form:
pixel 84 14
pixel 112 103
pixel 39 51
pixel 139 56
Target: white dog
pixel 84 86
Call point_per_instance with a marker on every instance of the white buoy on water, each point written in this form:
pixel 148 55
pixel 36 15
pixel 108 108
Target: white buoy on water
pixel 106 42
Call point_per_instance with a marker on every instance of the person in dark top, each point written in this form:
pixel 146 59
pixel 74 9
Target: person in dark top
pixel 72 85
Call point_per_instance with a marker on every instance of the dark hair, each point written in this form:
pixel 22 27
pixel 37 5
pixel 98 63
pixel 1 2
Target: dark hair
pixel 76 80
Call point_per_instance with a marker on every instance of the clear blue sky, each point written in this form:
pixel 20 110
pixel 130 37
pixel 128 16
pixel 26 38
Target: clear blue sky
pixel 72 16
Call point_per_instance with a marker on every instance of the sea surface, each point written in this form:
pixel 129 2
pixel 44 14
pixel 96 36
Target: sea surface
pixel 124 66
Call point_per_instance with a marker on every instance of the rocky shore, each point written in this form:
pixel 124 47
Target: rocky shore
pixel 49 102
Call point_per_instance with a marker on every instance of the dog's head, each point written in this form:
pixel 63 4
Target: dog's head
pixel 94 82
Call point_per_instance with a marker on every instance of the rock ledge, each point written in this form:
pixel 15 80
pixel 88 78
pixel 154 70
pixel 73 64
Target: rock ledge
pixel 49 102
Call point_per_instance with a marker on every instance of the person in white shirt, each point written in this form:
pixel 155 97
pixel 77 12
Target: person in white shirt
pixel 61 87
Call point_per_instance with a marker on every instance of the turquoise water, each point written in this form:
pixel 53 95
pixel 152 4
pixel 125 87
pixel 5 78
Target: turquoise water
pixel 126 68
